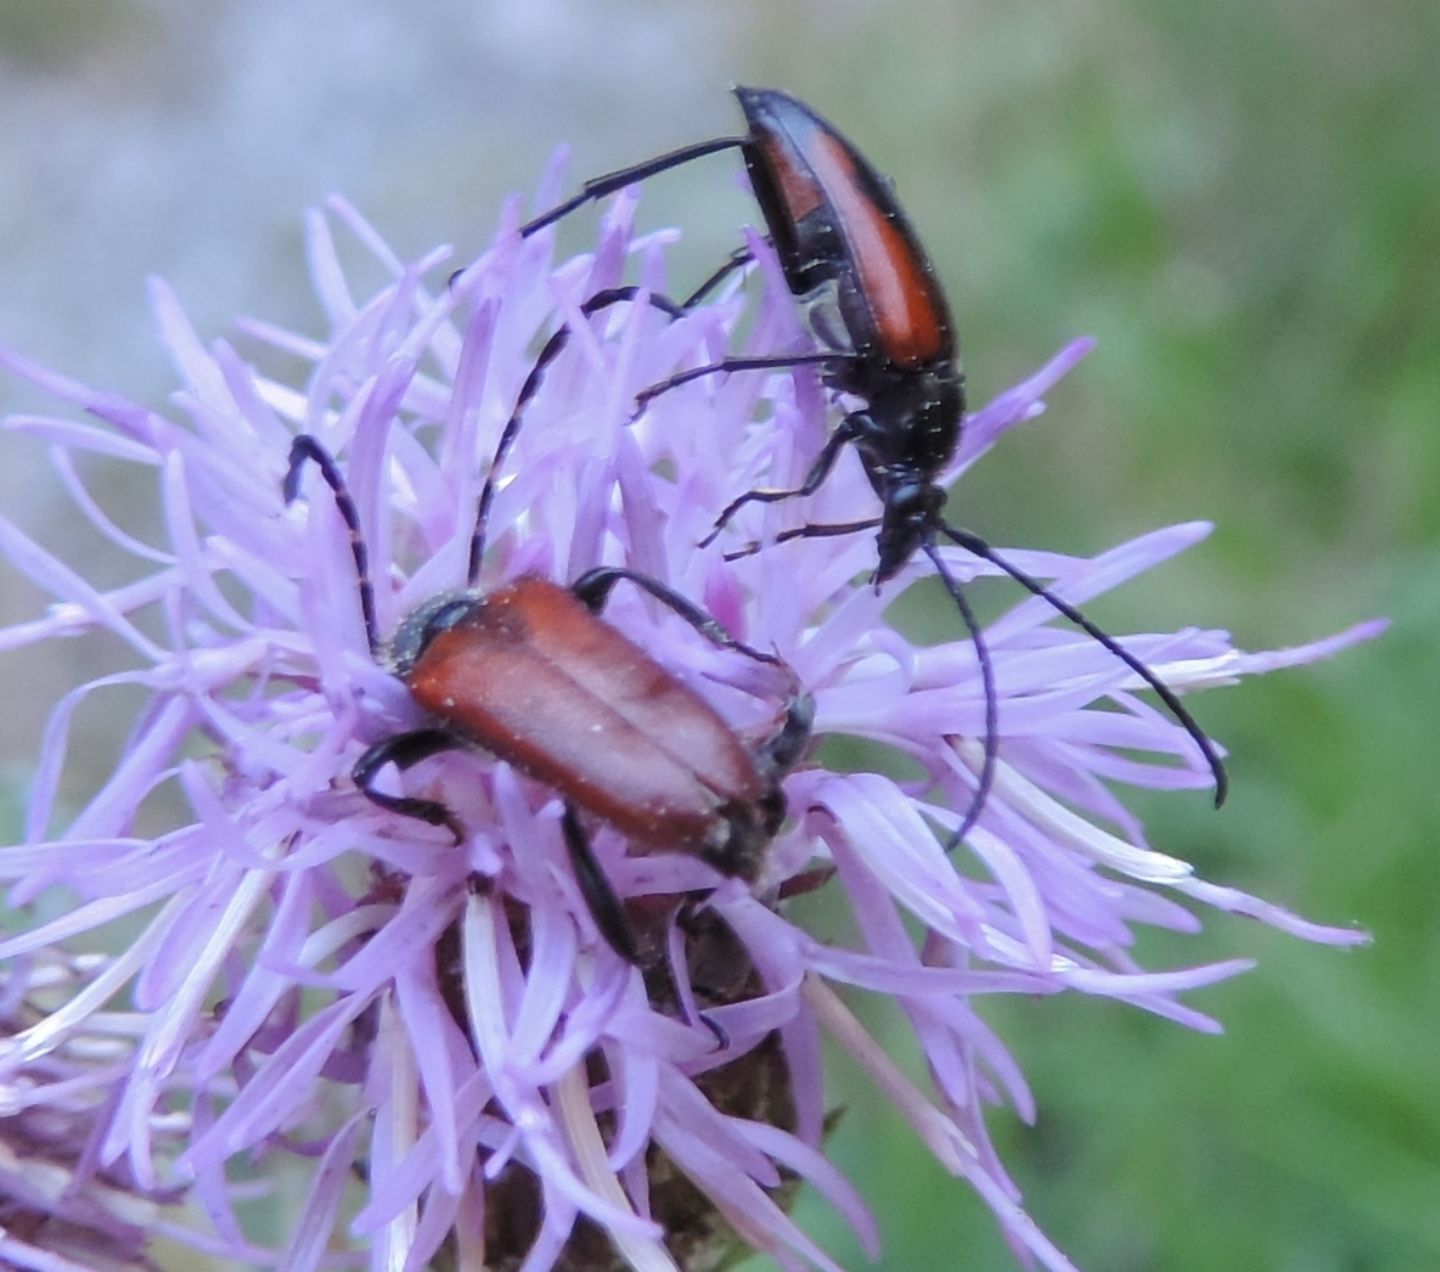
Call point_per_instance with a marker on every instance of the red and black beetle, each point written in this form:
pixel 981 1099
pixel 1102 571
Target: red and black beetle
pixel 851 258
pixel 530 673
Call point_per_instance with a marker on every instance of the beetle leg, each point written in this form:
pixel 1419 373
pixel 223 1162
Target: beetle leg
pixel 765 362
pixel 610 182
pixel 548 353
pixel 804 532
pixel 737 259
pixel 404 751
pixel 847 432
pixel 806 881
pixel 593 589
pixel 605 907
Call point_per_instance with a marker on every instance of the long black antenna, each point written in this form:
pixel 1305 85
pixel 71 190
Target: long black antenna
pixel 303 448
pixel 987 682
pixel 973 543
pixel 610 182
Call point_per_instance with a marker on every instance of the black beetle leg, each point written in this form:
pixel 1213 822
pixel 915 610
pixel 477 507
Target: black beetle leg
pixel 404 751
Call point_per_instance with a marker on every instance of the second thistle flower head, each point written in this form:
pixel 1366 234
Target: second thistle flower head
pixel 447 1004
pixel 58 1208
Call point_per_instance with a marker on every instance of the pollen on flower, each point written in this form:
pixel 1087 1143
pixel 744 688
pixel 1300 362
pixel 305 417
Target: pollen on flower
pixel 312 972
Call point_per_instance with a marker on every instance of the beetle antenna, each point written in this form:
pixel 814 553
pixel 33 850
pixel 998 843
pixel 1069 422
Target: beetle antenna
pixel 978 546
pixel 987 681
pixel 548 353
pixel 305 447
pixel 612 182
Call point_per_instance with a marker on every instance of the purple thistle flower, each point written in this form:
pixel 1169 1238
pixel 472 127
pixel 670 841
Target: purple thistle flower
pixel 324 978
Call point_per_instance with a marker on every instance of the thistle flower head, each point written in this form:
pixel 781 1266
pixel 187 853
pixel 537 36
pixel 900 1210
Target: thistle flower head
pixel 60 1208
pixel 324 977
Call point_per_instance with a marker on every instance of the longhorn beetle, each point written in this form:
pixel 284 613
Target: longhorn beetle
pixel 529 672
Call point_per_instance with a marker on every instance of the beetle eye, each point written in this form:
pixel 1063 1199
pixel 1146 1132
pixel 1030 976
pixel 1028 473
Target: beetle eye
pixel 430 621
pixel 449 615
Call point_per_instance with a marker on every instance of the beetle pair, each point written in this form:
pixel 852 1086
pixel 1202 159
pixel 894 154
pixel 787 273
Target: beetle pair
pixel 850 257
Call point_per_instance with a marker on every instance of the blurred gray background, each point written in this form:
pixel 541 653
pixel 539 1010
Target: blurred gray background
pixel 1238 199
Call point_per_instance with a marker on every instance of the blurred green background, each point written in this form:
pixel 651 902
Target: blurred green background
pixel 1238 199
